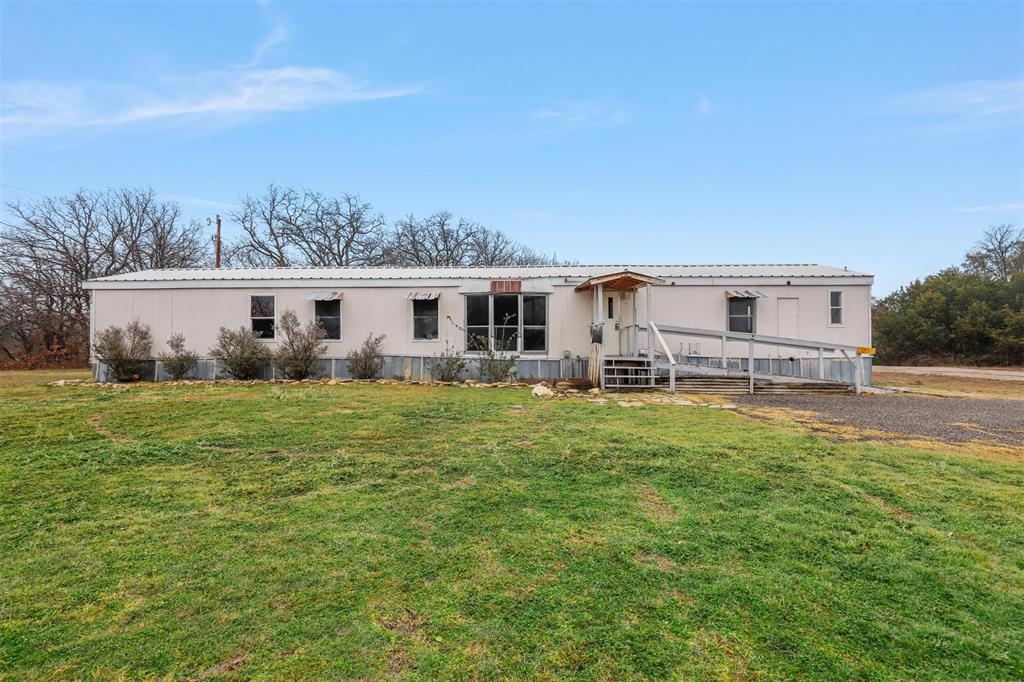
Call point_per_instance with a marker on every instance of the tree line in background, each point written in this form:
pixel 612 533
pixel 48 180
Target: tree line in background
pixel 969 314
pixel 51 246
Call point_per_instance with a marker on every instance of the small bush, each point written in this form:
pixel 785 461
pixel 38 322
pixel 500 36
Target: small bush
pixel 124 350
pixel 366 362
pixel 180 361
pixel 450 364
pixel 495 366
pixel 241 352
pixel 300 348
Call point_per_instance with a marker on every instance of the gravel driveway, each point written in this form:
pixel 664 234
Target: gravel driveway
pixel 954 420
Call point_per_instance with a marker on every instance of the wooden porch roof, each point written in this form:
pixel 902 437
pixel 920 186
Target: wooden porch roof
pixel 624 280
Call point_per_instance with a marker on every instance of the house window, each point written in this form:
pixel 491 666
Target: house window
pixel 535 323
pixel 261 314
pixel 835 308
pixel 424 320
pixel 328 316
pixel 611 307
pixel 741 315
pixel 506 322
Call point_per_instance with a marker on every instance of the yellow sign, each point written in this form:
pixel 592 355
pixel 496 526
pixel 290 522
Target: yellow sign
pixel 865 350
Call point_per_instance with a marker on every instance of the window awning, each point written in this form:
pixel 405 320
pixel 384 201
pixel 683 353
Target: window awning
pixel 324 296
pixel 424 295
pixel 745 293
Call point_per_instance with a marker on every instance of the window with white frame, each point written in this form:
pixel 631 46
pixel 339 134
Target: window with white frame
pixel 328 316
pixel 425 319
pixel 506 322
pixel 261 316
pixel 835 308
pixel 741 314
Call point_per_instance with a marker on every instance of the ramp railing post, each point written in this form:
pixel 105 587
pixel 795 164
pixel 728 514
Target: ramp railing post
pixel 750 364
pixel 724 364
pixel 650 316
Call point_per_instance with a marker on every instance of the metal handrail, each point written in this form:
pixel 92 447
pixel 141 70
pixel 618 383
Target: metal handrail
pixel 671 358
pixel 751 339
pixel 757 338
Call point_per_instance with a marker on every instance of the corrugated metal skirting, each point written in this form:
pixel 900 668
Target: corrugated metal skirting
pixel 401 367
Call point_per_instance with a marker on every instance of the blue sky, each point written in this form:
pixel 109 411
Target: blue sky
pixel 882 137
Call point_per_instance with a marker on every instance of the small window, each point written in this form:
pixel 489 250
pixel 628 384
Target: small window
pixel 328 316
pixel 477 322
pixel 506 322
pixel 535 323
pixel 741 315
pixel 261 313
pixel 424 320
pixel 835 308
pixel 611 307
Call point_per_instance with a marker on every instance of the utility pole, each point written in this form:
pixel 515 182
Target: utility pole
pixel 217 244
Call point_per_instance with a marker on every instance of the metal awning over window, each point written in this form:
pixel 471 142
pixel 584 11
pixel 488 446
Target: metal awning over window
pixel 424 296
pixel 745 293
pixel 324 296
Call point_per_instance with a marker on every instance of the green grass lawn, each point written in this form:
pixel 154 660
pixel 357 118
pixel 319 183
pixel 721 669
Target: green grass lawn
pixel 360 531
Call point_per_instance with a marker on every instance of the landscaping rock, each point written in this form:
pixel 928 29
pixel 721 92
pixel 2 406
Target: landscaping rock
pixel 542 391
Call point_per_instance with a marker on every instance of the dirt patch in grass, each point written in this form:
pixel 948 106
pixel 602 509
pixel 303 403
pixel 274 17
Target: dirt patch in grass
pixel 877 501
pixel 654 505
pixel 464 482
pixel 720 657
pixel 223 668
pixel 403 621
pixel 659 561
pixel 96 422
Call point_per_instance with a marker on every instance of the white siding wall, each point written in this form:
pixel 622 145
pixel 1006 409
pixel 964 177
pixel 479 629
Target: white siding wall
pixel 198 313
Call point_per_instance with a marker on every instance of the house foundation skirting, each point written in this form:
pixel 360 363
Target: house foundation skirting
pixel 423 368
pixel 401 367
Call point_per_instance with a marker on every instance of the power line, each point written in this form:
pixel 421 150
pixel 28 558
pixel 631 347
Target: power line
pixel 21 189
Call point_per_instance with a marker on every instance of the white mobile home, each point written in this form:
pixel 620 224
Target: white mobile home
pixel 562 321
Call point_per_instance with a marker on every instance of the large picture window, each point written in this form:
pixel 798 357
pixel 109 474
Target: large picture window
pixel 424 320
pixel 741 314
pixel 261 315
pixel 506 322
pixel 328 316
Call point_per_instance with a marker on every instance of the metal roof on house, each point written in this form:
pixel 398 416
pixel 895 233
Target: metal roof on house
pixel 801 270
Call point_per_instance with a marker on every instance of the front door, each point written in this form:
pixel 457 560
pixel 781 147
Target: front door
pixel 788 316
pixel 612 322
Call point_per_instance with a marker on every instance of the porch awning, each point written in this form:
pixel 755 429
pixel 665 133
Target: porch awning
pixel 424 295
pixel 745 293
pixel 324 296
pixel 624 280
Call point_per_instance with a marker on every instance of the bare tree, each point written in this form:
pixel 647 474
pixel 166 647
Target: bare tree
pixel 264 242
pixel 999 253
pixel 286 227
pixel 56 243
pixel 442 240
pixel 438 240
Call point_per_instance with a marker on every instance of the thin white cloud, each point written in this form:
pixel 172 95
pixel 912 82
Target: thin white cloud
pixel 583 114
pixel 993 208
pixel 278 34
pixel 964 108
pixel 704 105
pixel 37 106
pixel 223 96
